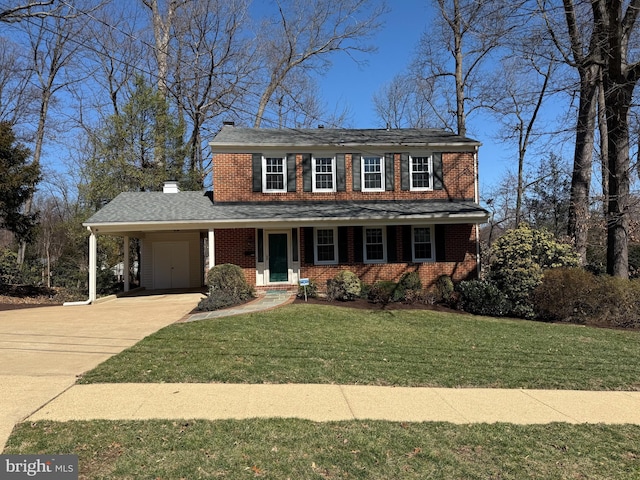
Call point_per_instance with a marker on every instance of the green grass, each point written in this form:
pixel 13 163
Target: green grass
pixel 329 344
pixel 299 449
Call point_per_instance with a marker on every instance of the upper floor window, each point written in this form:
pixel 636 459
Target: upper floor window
pixel 421 172
pixel 274 174
pixel 372 173
pixel 374 245
pixel 324 174
pixel 422 244
pixel 326 251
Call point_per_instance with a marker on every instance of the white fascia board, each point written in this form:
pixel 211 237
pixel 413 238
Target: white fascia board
pixel 123 228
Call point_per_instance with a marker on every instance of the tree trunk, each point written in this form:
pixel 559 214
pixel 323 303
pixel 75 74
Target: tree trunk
pixel 618 99
pixel 582 160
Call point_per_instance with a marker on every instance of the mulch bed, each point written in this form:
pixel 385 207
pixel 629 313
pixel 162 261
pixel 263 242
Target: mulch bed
pixel 364 304
pixel 13 297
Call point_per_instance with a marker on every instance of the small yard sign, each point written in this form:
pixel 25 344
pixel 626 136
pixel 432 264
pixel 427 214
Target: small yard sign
pixel 304 282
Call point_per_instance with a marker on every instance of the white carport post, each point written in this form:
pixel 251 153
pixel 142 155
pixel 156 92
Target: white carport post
pixel 125 264
pixel 212 248
pixel 93 265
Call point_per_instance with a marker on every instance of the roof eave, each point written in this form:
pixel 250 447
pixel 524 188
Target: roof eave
pixel 106 228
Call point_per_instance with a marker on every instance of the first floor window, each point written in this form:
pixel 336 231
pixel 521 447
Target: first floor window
pixel 326 245
pixel 422 244
pixel 372 177
pixel 374 245
pixel 323 174
pixel 421 173
pixel 274 174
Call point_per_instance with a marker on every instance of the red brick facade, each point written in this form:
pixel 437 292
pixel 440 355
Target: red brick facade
pixel 232 180
pixel 456 250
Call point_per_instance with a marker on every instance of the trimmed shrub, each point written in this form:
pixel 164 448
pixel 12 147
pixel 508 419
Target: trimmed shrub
pixel 444 288
pixel 409 282
pixel 566 295
pixel 577 296
pixel 383 291
pixel 481 297
pixel 227 287
pixel 345 286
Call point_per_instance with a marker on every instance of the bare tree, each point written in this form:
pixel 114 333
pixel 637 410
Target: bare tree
pixel 453 53
pixel 211 70
pixel 405 102
pixel 52 47
pixel 517 94
pixel 305 35
pixel 27 10
pixel 617 21
pixel 17 95
pixel 578 41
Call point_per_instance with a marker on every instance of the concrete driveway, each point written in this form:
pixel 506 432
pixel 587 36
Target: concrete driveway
pixel 43 350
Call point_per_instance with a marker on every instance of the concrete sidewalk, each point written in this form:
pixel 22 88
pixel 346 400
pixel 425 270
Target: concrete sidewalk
pixel 339 402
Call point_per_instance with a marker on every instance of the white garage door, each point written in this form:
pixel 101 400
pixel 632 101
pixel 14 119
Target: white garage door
pixel 170 265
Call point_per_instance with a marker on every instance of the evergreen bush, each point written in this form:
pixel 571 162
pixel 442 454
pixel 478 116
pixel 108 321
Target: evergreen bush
pixel 345 286
pixel 227 287
pixel 483 297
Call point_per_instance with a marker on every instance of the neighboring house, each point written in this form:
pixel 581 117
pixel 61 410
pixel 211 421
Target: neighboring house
pixel 306 203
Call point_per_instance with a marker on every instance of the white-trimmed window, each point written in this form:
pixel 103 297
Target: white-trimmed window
pixel 326 243
pixel 372 173
pixel 324 174
pixel 421 170
pixel 375 245
pixel 422 244
pixel 274 177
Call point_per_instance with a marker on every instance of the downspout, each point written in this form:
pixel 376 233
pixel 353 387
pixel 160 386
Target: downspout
pixel 92 272
pixel 476 194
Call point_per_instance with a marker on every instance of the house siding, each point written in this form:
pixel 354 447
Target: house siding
pixel 234 181
pixel 195 256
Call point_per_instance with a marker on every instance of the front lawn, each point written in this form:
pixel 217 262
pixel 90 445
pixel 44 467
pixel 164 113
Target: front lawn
pixel 306 343
pixel 300 449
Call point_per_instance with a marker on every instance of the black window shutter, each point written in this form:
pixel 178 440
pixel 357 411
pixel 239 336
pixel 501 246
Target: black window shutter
pixel 307 176
pixel 358 255
pixel 389 172
pixel 355 160
pixel 440 243
pixel 405 171
pixel 438 181
pixel 343 244
pixel 341 174
pixel 256 166
pixel 308 244
pixel 407 244
pixel 291 172
pixel 392 251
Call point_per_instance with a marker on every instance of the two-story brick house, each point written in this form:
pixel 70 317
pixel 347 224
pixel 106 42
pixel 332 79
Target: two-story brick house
pixel 306 203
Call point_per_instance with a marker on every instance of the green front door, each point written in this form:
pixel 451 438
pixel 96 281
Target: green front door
pixel 278 265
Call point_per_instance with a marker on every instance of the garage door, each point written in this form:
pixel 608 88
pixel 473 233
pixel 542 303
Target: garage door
pixel 170 265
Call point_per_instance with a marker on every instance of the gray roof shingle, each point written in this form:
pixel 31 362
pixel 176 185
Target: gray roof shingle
pixel 231 136
pixel 189 207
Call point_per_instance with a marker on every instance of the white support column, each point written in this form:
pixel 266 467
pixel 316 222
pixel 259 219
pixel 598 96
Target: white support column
pixel 93 265
pixel 125 264
pixel 212 248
